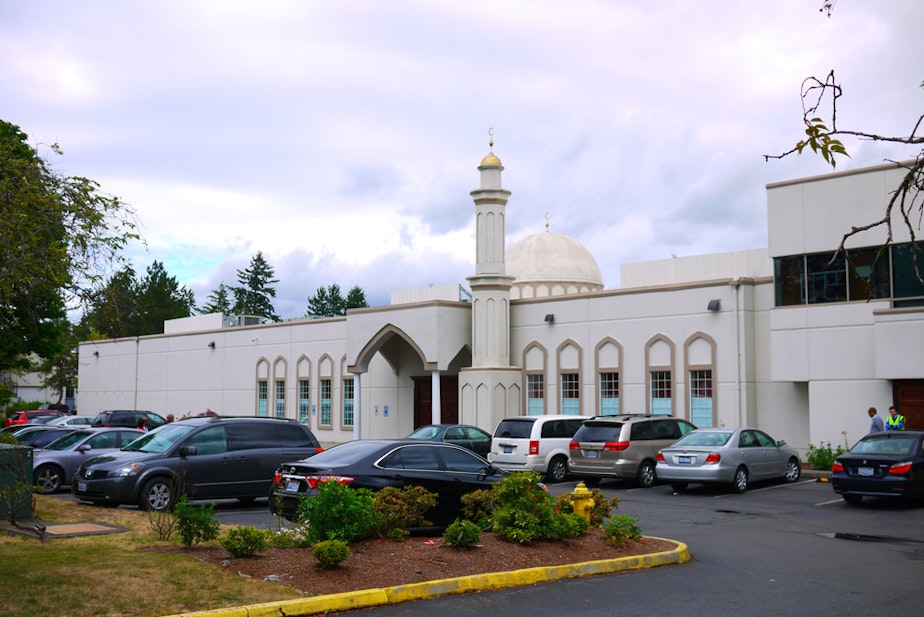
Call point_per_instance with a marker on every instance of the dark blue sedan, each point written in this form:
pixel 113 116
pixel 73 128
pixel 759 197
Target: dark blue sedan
pixel 886 464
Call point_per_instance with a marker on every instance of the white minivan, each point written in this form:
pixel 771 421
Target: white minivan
pixel 535 443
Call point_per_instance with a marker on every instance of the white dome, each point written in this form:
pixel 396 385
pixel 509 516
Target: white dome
pixel 551 264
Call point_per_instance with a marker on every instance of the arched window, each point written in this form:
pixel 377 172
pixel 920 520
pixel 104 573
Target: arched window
pixel 659 358
pixel 699 358
pixel 535 357
pixel 609 376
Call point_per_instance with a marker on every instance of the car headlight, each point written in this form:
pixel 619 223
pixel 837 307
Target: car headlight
pixel 132 469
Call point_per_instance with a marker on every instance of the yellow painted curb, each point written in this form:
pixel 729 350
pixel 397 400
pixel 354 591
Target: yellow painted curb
pixel 442 587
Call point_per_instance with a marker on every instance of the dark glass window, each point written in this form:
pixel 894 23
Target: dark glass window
pixel 253 435
pixel 826 277
pixel 789 274
pixel 907 289
pixel 868 274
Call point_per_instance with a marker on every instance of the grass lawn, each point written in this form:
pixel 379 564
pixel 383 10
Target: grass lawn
pixel 114 574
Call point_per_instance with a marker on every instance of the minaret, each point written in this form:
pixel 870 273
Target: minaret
pixel 491 389
pixel 490 284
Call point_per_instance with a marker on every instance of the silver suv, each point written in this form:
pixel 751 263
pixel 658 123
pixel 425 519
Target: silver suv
pixel 535 443
pixel 624 446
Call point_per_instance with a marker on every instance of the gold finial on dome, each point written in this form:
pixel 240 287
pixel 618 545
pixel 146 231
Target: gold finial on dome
pixel 490 158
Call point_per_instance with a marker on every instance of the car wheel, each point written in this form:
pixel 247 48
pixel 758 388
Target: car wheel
pixel 793 470
pixel 48 479
pixel 558 469
pixel 646 474
pixel 852 499
pixel 679 487
pixel 740 483
pixel 157 495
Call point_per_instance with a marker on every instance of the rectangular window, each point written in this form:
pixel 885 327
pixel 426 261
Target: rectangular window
pixel 535 394
pixel 570 394
pixel 324 417
pixel 661 396
pixel 280 399
pixel 701 398
pixel 826 275
pixel 609 394
pixel 907 289
pixel 348 402
pixel 304 400
pixel 789 280
pixel 868 274
pixel 262 398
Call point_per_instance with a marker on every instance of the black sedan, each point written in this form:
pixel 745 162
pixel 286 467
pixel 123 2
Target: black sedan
pixel 886 464
pixel 470 437
pixel 441 468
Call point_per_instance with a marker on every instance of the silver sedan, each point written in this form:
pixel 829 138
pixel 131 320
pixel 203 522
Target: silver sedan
pixel 54 465
pixel 734 456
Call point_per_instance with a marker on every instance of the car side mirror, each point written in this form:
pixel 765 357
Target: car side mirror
pixel 84 447
pixel 188 451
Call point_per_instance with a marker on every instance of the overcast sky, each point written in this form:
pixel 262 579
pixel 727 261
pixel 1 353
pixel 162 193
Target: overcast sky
pixel 341 139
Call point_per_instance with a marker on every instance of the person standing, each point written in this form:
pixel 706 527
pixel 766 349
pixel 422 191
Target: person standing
pixel 895 421
pixel 876 424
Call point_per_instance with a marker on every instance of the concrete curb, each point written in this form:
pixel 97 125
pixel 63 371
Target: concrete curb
pixel 432 589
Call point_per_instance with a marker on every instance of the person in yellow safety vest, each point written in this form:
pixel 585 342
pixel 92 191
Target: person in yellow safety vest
pixel 895 421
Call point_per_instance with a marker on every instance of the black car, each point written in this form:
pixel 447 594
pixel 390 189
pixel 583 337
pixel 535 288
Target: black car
pixel 128 418
pixel 441 468
pixel 203 458
pixel 470 437
pixel 885 464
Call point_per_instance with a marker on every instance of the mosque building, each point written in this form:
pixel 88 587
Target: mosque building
pixel 781 338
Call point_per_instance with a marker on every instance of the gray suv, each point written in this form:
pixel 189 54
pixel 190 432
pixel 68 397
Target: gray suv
pixel 624 446
pixel 203 458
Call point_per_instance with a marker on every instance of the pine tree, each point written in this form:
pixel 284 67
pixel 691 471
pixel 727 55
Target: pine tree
pixel 219 301
pixel 255 289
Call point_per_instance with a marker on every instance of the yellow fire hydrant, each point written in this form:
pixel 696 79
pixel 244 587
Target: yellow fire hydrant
pixel 582 501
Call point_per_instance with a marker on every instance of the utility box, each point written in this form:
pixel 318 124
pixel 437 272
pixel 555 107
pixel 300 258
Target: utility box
pixel 16 482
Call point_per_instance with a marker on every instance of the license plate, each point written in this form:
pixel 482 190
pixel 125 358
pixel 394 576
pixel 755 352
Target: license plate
pixel 684 460
pixel 591 454
pixel 865 471
pixel 82 487
pixel 508 450
pixel 292 486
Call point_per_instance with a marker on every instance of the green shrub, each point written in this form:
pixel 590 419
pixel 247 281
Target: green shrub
pixel 462 533
pixel 397 509
pixel 338 512
pixel 621 528
pixel 195 523
pixel 478 507
pixel 296 536
pixel 603 506
pixel 822 456
pixel 244 541
pixel 331 553
pixel 525 512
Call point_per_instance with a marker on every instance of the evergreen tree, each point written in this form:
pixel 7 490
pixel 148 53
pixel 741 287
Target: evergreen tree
pixel 161 297
pixel 356 298
pixel 255 289
pixel 329 301
pixel 219 301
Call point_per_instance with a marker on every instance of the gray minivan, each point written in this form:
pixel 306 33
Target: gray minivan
pixel 203 458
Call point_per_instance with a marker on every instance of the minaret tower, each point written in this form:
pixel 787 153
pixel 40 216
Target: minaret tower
pixel 490 389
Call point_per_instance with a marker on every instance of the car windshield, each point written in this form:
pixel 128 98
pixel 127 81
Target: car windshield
pixel 425 432
pixel 706 438
pixel 67 442
pixel 160 439
pixel 886 445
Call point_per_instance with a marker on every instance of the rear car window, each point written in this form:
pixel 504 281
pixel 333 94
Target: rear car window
pixel 599 432
pixel 515 429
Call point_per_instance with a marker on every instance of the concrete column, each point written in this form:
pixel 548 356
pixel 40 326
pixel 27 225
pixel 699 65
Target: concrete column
pixel 436 411
pixel 357 403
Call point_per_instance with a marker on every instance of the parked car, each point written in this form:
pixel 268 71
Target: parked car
pixel 441 468
pixel 470 437
pixel 30 416
pixel 203 458
pixel 624 446
pixel 887 464
pixel 39 435
pixel 53 466
pixel 128 418
pixel 73 421
pixel 734 456
pixel 57 407
pixel 535 443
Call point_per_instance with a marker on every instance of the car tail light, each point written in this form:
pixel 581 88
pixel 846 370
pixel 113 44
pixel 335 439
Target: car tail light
pixel 660 458
pixel 900 469
pixel 837 467
pixel 574 445
pixel 713 458
pixel 533 447
pixel 315 480
pixel 615 446
pixel 318 450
